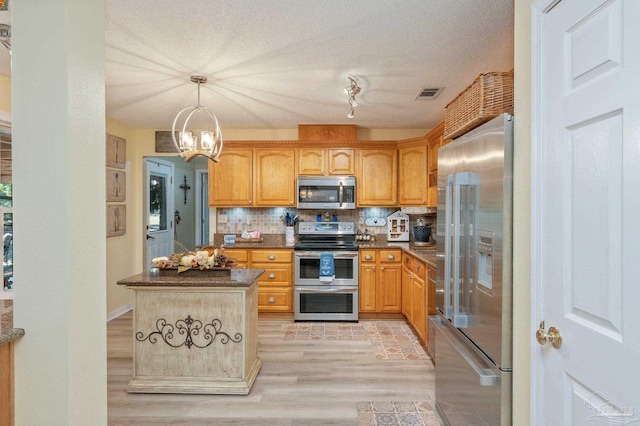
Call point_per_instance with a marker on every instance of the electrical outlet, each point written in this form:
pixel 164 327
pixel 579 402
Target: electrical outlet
pixel 248 219
pixel 222 218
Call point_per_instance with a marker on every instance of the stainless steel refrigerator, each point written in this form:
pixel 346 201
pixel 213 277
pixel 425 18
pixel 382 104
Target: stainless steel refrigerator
pixel 473 328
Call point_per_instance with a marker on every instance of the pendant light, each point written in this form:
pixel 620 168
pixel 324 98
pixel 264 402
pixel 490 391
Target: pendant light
pixel 209 144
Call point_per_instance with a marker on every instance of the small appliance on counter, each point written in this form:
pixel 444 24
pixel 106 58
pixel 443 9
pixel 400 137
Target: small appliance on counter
pixel 422 233
pixel 397 227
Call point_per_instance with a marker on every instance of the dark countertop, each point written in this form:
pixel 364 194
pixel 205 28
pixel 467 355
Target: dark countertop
pixel 238 278
pixel 10 335
pixel 277 241
pixel 270 241
pixel 426 254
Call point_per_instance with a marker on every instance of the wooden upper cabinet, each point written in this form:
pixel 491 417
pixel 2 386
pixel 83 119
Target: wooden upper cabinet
pixel 341 162
pixel 377 177
pixel 435 139
pixel 412 178
pixel 231 180
pixel 325 162
pixel 311 161
pixel 275 177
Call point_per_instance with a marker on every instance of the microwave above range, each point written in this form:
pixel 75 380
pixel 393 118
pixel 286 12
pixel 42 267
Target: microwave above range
pixel 326 192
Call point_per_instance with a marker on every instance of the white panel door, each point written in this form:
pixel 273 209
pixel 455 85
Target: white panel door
pixel 158 214
pixel 586 199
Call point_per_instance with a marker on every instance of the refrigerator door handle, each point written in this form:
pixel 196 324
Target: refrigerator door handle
pixel 447 309
pixel 486 376
pixel 460 316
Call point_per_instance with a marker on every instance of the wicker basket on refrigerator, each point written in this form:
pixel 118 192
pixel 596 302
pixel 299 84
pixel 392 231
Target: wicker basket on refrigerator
pixel 490 95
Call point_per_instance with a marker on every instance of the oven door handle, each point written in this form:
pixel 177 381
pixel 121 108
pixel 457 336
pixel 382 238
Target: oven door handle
pixel 317 255
pixel 327 290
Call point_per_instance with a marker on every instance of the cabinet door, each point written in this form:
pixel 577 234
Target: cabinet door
pixel 275 177
pixel 407 291
pixel 311 162
pixel 367 287
pixel 341 162
pixel 419 321
pixel 412 176
pixel 377 171
pixel 231 180
pixel 389 288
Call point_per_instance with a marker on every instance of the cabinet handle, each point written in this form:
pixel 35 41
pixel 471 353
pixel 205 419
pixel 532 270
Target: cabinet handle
pixel 390 257
pixel 368 257
pixel 272 300
pixel 271 257
pixel 417 266
pixel 272 276
pixel 382 268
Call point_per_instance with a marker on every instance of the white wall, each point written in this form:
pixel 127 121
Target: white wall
pixel 522 334
pixel 58 131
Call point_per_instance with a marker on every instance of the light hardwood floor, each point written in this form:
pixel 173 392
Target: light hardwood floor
pixel 302 382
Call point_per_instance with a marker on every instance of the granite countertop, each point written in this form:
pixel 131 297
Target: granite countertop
pixel 277 241
pixel 426 254
pixel 7 332
pixel 10 335
pixel 238 278
pixel 269 241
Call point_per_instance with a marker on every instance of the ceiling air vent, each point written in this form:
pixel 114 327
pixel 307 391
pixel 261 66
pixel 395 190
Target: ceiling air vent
pixel 428 94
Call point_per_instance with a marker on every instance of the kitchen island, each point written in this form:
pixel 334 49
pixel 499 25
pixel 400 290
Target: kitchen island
pixel 195 332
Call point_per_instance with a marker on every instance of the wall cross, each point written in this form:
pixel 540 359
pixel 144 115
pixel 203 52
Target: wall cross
pixel 185 187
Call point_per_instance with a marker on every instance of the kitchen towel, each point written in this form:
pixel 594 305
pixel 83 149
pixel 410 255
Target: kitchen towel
pixel 327 268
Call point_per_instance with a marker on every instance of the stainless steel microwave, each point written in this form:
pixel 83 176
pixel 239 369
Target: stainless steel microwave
pixel 326 192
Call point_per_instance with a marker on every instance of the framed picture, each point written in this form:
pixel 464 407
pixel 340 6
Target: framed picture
pixel 116 220
pixel 116 152
pixel 164 142
pixel 116 185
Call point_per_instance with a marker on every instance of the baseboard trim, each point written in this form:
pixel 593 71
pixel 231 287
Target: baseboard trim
pixel 121 310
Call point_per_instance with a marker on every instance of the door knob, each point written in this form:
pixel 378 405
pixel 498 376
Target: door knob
pixel 149 237
pixel 552 336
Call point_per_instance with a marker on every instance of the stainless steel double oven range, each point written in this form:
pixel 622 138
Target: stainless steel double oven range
pixel 326 300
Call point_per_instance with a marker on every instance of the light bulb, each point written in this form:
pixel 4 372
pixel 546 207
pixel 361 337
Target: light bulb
pixel 206 140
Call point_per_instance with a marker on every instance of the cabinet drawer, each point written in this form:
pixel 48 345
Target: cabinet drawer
pixel 273 256
pixel 275 300
pixel 279 276
pixel 242 256
pixel 368 255
pixel 387 256
pixel 420 269
pixel 431 272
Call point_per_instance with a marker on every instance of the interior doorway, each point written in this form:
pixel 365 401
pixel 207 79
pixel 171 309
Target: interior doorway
pixel 189 214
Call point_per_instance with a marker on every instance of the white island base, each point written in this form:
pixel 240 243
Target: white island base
pixel 194 337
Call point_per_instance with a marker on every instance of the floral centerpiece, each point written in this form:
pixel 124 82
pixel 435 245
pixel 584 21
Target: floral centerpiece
pixel 205 258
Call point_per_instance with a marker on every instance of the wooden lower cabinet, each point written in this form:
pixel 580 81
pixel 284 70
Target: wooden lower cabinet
pixel 414 297
pixel 380 281
pixel 6 384
pixel 275 286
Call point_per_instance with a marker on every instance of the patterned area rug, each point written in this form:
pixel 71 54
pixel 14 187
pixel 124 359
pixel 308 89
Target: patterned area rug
pixel 390 339
pixel 396 414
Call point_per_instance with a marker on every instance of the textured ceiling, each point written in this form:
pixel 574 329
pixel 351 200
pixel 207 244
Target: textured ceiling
pixel 280 63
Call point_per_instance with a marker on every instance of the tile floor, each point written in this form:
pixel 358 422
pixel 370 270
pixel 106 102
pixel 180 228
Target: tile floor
pixel 396 414
pixel 389 339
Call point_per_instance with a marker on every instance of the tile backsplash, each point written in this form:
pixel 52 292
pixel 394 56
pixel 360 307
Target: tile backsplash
pixel 267 220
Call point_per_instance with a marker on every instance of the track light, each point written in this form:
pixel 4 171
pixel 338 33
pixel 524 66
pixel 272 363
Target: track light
pixel 352 90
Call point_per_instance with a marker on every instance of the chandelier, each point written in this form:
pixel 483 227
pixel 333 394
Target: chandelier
pixel 187 143
pixel 352 90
